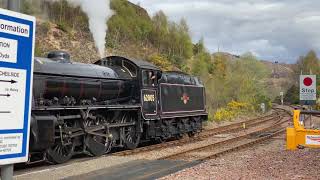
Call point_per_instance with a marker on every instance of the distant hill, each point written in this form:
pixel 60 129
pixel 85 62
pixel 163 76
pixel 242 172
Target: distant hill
pixel 281 75
pixel 278 70
pixel 228 55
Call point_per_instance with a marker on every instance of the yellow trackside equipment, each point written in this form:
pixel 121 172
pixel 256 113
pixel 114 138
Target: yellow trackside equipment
pixel 298 136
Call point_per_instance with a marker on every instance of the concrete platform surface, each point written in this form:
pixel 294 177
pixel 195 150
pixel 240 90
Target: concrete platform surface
pixel 136 170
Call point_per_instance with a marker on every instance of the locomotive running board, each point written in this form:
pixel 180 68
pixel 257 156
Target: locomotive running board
pixel 117 107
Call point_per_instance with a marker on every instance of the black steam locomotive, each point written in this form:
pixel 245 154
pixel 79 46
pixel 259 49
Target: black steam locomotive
pixel 116 102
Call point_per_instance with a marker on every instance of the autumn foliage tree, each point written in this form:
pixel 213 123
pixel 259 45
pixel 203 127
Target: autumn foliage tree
pixel 309 64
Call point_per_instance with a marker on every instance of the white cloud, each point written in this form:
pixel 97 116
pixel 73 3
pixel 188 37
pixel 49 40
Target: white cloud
pixel 271 29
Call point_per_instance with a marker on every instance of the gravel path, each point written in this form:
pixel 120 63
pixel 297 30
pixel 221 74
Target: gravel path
pixel 269 160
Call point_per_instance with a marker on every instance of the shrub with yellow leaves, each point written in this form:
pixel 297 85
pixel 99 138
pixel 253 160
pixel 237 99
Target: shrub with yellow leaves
pixel 233 110
pixel 161 62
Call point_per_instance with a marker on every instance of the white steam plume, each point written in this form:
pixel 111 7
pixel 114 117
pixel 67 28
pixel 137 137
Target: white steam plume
pixel 98 12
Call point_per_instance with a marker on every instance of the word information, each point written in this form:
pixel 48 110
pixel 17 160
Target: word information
pixel 8 50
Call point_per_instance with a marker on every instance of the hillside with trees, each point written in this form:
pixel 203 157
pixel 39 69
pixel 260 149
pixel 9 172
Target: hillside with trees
pixel 234 87
pixel 307 64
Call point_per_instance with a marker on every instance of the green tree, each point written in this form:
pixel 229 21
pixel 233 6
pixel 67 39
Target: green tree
pixel 185 44
pixel 308 64
pixel 202 61
pixel 292 95
pixel 199 46
pixel 219 65
pixel 160 32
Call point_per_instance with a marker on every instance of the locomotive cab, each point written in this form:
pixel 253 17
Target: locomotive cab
pixel 146 78
pixel 149 92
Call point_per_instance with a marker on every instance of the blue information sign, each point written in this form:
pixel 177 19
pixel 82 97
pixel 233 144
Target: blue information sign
pixel 17 34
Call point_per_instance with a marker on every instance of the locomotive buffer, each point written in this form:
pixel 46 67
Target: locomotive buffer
pixel 16 69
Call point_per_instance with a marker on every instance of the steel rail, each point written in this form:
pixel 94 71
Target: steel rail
pixel 230 140
pixel 205 134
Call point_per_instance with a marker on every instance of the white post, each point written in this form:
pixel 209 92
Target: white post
pixel 263 108
pixel 7 172
pixel 281 95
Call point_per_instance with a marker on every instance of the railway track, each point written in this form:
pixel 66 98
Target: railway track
pixel 220 148
pixel 210 132
pixel 207 133
pixel 275 117
pixel 235 143
pixel 183 164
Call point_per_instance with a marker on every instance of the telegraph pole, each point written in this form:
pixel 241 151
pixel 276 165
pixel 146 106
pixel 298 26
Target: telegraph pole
pixel 276 70
pixel 14 5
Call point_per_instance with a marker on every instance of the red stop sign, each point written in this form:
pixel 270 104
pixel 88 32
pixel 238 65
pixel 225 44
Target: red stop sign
pixel 307 81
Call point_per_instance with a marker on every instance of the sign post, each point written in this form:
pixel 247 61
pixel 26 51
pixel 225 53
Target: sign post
pixel 17 34
pixel 281 95
pixel 308 89
pixel 263 107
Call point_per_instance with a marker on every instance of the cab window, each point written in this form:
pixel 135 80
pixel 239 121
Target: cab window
pixel 130 68
pixel 149 78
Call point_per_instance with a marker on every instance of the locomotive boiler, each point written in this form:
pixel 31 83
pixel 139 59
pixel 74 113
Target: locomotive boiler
pixel 58 81
pixel 116 102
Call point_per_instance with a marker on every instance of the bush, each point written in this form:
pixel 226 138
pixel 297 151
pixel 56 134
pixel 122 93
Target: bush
pixel 259 99
pixel 46 26
pixel 223 114
pixel 27 8
pixel 233 110
pixel 64 27
pixel 161 62
pixel 292 95
pixel 318 106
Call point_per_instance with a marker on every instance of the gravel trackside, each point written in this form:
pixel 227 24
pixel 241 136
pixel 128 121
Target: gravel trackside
pixel 269 160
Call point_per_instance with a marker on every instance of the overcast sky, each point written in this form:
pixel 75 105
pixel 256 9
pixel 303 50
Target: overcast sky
pixel 270 29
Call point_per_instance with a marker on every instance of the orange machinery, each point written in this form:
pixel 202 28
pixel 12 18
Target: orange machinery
pixel 298 135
